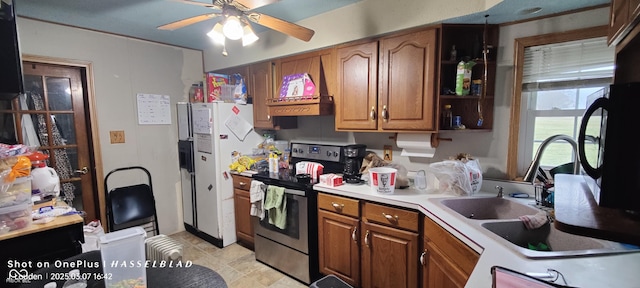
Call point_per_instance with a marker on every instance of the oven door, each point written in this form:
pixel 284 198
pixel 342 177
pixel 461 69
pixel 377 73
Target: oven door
pixel 295 235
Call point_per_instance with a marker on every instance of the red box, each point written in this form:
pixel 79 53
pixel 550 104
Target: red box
pixel 331 179
pixel 214 86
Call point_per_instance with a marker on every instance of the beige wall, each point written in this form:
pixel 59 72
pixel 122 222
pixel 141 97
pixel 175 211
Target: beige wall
pixel 122 68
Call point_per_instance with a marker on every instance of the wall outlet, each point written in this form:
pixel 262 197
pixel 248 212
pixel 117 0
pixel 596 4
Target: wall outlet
pixel 388 153
pixel 116 136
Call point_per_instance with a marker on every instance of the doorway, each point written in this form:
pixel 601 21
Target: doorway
pixel 55 115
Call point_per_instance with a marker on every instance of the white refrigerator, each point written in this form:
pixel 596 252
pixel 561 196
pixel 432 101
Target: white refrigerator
pixel 213 132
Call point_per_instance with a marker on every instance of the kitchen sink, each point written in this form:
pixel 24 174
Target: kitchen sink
pixel 483 208
pixel 547 241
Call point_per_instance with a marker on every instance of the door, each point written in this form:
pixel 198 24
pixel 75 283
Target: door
pixel 261 79
pixel 406 100
pixel 51 116
pixel 389 257
pixel 438 271
pixel 357 96
pixel 338 246
pixel 244 222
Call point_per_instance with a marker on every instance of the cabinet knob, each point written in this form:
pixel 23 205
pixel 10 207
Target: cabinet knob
pixel 391 218
pixel 337 206
pixel 422 257
pixel 385 114
pixel 372 115
pixel 268 117
pixel 242 183
pixel 354 234
pixel 366 238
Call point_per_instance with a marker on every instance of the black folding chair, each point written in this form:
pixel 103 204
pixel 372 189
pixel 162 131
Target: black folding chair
pixel 130 206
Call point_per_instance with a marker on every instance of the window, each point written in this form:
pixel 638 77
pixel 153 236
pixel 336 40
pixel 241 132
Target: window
pixel 558 77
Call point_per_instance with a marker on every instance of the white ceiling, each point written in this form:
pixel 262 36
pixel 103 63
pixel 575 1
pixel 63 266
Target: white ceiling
pixel 140 18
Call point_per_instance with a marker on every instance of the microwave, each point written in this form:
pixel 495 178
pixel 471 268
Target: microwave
pixel 613 174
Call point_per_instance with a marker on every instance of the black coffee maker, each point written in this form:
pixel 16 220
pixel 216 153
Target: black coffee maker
pixel 353 156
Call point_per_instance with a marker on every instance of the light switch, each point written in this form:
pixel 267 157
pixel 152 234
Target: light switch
pixel 116 136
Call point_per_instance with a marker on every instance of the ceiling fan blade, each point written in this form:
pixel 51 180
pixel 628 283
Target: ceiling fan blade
pixel 209 5
pixel 188 21
pixel 253 4
pixel 280 25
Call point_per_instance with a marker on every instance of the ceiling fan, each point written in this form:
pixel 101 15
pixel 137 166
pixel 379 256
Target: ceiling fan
pixel 242 10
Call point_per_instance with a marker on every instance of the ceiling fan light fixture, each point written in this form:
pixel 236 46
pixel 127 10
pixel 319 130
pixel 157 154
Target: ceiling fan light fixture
pixel 248 36
pixel 216 34
pixel 232 28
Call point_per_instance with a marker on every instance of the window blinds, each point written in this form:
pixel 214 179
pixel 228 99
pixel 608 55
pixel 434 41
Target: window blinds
pixel 582 63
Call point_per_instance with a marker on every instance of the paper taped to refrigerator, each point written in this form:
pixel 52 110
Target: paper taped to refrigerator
pixel 238 126
pixel 201 121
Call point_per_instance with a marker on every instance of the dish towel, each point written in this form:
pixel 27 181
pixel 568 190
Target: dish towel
pixel 534 221
pixel 256 197
pixel 276 205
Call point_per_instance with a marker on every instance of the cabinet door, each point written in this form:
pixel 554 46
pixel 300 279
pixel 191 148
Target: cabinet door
pixel 357 96
pixel 261 77
pixel 389 257
pixel 438 271
pixel 618 19
pixel 244 227
pixel 406 100
pixel 634 10
pixel 338 246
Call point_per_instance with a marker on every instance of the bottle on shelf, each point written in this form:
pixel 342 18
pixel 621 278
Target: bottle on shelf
pixel 454 54
pixel 447 117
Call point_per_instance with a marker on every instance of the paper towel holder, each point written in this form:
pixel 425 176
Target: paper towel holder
pixel 435 140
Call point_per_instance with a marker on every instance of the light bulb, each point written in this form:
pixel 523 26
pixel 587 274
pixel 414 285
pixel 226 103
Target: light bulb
pixel 216 34
pixel 248 37
pixel 232 28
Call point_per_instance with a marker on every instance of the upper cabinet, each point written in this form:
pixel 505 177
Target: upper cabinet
pixel 388 85
pixel 623 18
pixel 320 66
pixel 262 89
pixel 468 42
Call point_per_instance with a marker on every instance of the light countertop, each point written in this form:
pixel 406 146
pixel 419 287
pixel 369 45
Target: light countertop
pixel 612 270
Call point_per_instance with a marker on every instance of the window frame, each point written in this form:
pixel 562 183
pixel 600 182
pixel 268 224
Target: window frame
pixel 516 100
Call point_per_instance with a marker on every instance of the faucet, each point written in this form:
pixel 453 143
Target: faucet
pixel 499 188
pixel 530 175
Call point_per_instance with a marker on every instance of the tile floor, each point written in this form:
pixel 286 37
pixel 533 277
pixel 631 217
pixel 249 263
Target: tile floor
pixel 235 263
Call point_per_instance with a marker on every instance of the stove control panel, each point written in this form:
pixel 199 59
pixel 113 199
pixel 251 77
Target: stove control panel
pixel 316 152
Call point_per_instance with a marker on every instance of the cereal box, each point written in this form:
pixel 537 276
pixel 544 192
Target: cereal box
pixel 214 86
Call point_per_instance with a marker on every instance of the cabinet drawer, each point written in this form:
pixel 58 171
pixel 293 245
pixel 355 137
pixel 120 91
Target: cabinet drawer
pixel 391 216
pixel 337 204
pixel 241 182
pixel 451 246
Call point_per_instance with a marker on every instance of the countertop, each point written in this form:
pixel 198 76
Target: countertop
pixel 59 221
pixel 613 270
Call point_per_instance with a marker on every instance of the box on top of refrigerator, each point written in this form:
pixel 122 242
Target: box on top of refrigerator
pixel 215 84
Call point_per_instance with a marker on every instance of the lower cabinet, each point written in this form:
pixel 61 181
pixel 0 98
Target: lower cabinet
pixel 376 248
pixel 242 204
pixel 446 261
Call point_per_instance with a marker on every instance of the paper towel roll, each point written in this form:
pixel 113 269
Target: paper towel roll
pixel 415 145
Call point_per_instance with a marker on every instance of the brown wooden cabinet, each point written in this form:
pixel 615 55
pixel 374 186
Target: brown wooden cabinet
pixel 262 88
pixel 376 249
pixel 388 84
pixel 468 42
pixel 622 19
pixel 320 66
pixel 338 232
pixel 242 204
pixel 446 261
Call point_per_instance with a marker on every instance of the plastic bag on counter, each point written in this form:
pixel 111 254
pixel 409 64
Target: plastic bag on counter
pixel 461 176
pixel 373 160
